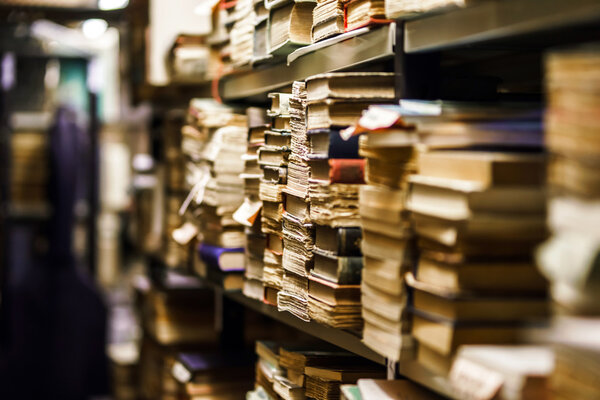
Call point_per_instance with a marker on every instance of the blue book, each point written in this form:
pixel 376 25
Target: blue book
pixel 224 259
pixel 328 144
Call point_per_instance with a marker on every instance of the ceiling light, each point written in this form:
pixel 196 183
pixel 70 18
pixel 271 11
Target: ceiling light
pixel 112 4
pixel 94 28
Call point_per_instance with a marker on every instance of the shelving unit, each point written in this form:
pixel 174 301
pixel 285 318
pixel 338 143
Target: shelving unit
pixel 505 25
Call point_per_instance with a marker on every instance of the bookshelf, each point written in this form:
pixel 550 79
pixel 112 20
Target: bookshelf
pixel 374 45
pixel 497 20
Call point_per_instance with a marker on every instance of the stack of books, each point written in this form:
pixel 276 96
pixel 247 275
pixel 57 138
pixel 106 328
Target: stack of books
pixel 242 33
pixel 502 372
pixel 189 59
pixel 273 160
pixel 218 376
pixel 298 232
pixel 267 369
pixel 214 140
pixel 289 25
pixel 379 389
pixel 388 239
pixel 572 126
pixel 335 101
pixel 249 213
pixel 478 214
pixel 327 19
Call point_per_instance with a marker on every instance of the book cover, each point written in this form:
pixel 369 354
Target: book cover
pixel 224 259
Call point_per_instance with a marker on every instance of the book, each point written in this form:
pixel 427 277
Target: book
pixel 499 276
pixel 342 241
pixel 487 168
pixel 288 390
pixel 331 293
pixel 390 306
pixel 346 373
pixel 360 13
pixel 335 204
pixel 475 306
pixel 433 361
pixel 280 104
pixel 337 269
pixel 346 316
pixel 327 143
pixel 445 336
pixel 334 113
pixel 328 20
pixel 290 27
pixel 389 344
pixel 459 199
pixel 375 86
pixel 224 259
pixel 337 170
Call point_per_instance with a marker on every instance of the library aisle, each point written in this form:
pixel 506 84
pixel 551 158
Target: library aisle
pixel 300 199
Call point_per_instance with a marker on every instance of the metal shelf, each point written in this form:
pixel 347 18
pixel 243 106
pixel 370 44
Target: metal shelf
pixel 374 45
pixel 497 20
pixel 344 339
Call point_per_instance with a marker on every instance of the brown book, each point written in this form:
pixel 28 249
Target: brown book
pixel 290 27
pixel 487 168
pixel 331 293
pixel 497 276
pixel 329 27
pixel 361 13
pixel 346 373
pixel 350 85
pixel 445 336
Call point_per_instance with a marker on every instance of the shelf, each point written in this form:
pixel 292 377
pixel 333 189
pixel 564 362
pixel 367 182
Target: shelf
pixel 419 374
pixel 373 45
pixel 497 20
pixel 344 339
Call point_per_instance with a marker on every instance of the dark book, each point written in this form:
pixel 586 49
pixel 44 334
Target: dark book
pixel 340 270
pixel 342 241
pixel 206 366
pixel 223 259
pixel 327 143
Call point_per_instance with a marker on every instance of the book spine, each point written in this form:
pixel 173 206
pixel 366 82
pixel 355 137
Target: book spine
pixel 349 241
pixel 210 255
pixel 349 270
pixel 347 170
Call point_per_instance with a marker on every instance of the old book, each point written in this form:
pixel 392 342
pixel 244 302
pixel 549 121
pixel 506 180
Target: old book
pixel 487 168
pixel 475 307
pixel 327 143
pixel 260 51
pixel 253 288
pixel 299 208
pixel 331 293
pixel 391 307
pixel 345 316
pixel 375 86
pixel 273 156
pixel 334 204
pixel 383 322
pixel 278 139
pixel 332 25
pixel 404 8
pixel 445 336
pixel 381 247
pixel 274 174
pixel 361 13
pixel 345 373
pixel 337 269
pixel 280 104
pixel 281 123
pixel 298 357
pixel 501 227
pixel 270 297
pixel 296 305
pixel 499 276
pixel 290 27
pixel 342 241
pixel 460 199
pixel 388 344
pixel 337 170
pixel 371 389
pixel 334 113
pixel 505 372
pixel 288 390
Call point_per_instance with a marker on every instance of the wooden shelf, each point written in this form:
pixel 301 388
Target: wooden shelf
pixel 498 20
pixel 349 52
